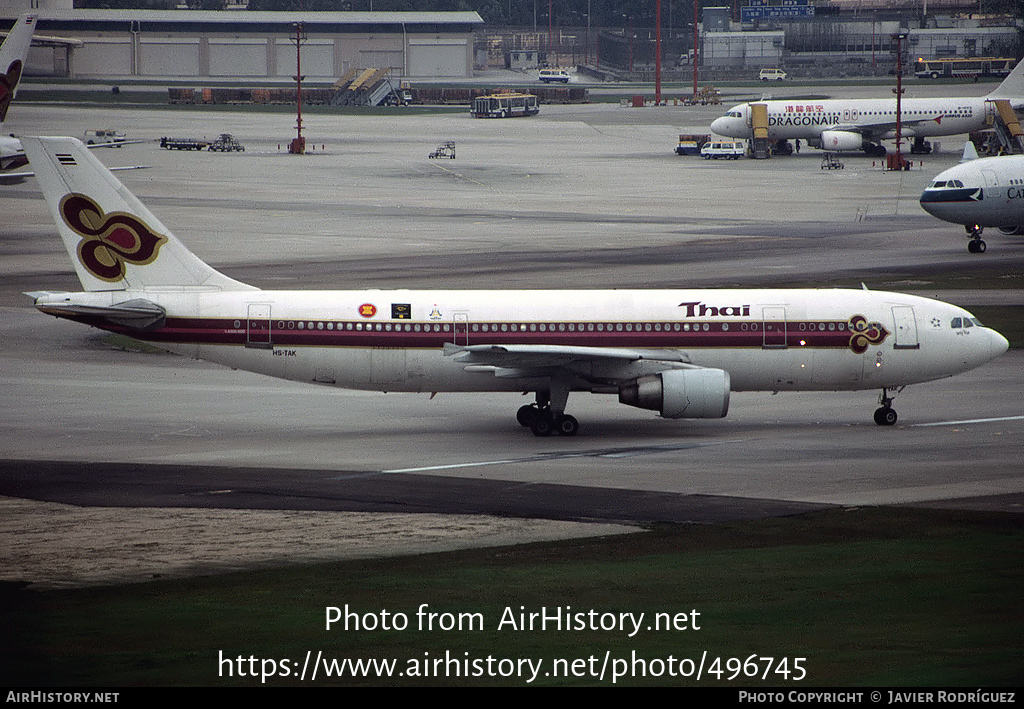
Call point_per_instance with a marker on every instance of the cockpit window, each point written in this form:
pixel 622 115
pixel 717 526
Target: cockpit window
pixel 940 183
pixel 957 323
pixel 956 183
pixel 977 322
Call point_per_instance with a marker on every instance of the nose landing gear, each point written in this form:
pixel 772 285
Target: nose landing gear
pixel 885 415
pixel 975 245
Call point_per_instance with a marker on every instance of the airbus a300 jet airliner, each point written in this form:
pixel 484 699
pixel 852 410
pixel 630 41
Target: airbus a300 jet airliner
pixel 677 352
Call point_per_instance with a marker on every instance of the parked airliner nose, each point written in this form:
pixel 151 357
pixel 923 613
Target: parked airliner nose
pixel 999 344
pixel 719 125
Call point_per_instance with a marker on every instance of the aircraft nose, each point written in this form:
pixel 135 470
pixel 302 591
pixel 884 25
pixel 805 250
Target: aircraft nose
pixel 999 344
pixel 718 125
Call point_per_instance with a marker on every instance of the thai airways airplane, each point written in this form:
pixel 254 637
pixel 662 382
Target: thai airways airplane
pixel 677 352
pixel 12 64
pixel 978 193
pixel 845 125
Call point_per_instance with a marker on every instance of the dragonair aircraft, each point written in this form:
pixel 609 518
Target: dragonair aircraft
pixel 12 64
pixel 845 125
pixel 677 352
pixel 979 193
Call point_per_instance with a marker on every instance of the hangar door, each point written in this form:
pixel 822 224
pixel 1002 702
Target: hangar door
pixel 438 58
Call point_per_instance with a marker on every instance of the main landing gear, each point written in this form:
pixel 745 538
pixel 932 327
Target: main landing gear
pixel 543 422
pixel 975 245
pixel 885 415
pixel 548 415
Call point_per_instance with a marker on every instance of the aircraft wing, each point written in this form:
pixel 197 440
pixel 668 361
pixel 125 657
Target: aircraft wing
pixel 881 128
pixel 594 364
pixel 19 176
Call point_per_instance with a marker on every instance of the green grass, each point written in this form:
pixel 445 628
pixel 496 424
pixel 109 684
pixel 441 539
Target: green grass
pixel 868 596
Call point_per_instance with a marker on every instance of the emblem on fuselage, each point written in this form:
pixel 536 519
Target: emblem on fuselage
pixel 367 310
pixel 865 333
pixel 109 241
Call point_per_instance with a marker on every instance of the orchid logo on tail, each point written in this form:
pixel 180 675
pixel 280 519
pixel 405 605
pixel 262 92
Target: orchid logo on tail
pixel 109 241
pixel 8 82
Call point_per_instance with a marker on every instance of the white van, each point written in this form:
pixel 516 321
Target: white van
pixel 549 75
pixel 734 149
pixel 103 137
pixel 771 75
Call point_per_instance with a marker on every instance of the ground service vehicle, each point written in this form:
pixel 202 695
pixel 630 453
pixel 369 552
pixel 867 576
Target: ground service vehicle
pixel 549 75
pixel 226 143
pixel 734 149
pixel 103 137
pixel 975 66
pixel 505 105
pixel 183 143
pixel 691 144
pixel 771 75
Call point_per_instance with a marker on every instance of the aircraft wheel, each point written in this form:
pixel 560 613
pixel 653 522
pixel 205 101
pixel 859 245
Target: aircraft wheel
pixel 885 416
pixel 567 425
pixel 976 246
pixel 526 415
pixel 542 426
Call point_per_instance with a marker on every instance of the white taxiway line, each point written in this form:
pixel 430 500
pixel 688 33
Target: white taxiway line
pixel 959 423
pixel 599 453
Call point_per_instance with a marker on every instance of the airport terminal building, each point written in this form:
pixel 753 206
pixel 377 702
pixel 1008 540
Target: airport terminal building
pixel 112 44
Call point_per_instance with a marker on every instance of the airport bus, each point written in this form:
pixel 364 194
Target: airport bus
pixel 975 66
pixel 505 105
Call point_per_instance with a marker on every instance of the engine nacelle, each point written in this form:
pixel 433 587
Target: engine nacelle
pixel 1012 230
pixel 681 393
pixel 841 140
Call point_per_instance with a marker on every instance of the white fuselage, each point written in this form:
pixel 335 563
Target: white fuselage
pixel 393 340
pixel 988 192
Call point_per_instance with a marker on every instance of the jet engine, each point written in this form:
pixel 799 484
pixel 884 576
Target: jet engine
pixel 681 393
pixel 1012 230
pixel 841 140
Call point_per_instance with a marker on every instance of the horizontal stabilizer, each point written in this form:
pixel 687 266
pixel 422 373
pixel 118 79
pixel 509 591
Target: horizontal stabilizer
pixel 136 314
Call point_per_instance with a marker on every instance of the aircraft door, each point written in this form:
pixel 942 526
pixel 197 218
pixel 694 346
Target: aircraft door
pixel 906 328
pixel 461 328
pixel 991 179
pixel 774 317
pixel 257 331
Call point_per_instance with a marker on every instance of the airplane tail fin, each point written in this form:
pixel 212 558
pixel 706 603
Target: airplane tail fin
pixel 1012 86
pixel 12 59
pixel 970 152
pixel 115 243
